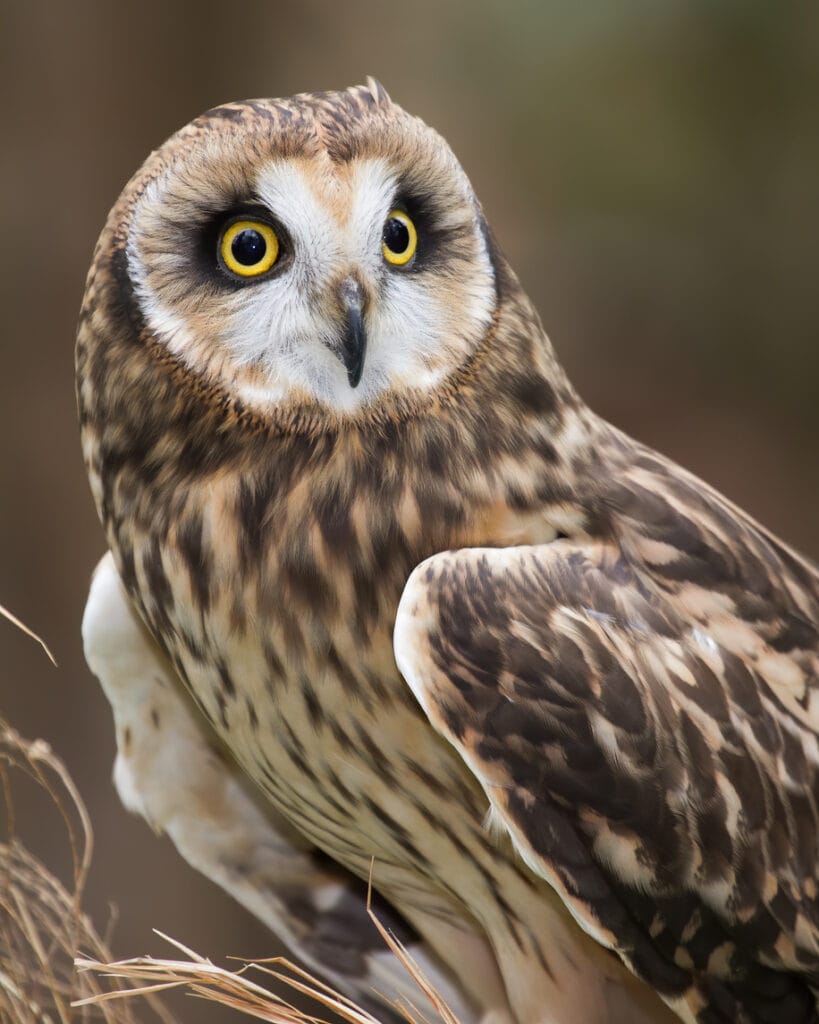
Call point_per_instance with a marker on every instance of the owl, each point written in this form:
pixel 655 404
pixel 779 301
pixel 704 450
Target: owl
pixel 384 598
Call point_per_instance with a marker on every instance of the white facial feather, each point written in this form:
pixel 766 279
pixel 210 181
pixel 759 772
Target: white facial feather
pixel 286 326
pixel 166 323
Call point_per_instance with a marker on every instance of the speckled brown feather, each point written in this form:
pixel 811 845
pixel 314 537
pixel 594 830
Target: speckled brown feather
pixel 267 552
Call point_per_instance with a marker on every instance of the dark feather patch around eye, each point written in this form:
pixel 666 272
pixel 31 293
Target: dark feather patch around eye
pixel 205 245
pixel 436 244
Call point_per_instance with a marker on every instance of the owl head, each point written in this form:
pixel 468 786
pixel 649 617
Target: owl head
pixel 326 249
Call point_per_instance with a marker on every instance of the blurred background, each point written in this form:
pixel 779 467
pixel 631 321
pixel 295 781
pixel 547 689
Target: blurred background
pixel 650 168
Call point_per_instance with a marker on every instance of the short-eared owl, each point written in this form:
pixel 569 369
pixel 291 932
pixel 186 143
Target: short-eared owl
pixel 382 588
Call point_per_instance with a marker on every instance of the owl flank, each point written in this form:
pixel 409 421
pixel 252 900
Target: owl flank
pixel 382 589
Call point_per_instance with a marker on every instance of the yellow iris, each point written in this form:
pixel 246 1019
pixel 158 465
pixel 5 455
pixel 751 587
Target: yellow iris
pixel 399 239
pixel 249 248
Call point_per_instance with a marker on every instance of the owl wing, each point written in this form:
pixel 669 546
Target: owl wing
pixel 171 770
pixel 648 774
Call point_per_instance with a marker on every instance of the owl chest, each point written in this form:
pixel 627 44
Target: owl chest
pixel 301 685
pixel 343 751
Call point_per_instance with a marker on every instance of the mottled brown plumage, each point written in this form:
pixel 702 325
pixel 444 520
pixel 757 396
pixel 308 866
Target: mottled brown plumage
pixel 632 693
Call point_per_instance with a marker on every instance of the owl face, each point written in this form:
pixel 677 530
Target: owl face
pixel 325 249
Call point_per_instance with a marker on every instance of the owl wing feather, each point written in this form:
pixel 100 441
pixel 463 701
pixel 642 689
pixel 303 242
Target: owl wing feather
pixel 648 773
pixel 171 770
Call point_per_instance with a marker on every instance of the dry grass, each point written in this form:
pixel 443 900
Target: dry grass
pixel 42 924
pixel 12 618
pixel 237 990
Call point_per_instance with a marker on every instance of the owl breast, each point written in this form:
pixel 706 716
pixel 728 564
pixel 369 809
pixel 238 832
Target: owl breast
pixel 274 594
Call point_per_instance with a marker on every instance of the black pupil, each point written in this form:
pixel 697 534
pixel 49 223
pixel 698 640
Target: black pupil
pixel 248 247
pixel 396 235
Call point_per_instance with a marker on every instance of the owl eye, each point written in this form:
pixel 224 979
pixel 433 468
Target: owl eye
pixel 399 239
pixel 248 248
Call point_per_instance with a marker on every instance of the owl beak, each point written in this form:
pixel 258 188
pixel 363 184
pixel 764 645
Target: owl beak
pixel 353 341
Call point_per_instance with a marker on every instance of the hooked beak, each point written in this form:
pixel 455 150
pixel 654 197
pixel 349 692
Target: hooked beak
pixel 353 338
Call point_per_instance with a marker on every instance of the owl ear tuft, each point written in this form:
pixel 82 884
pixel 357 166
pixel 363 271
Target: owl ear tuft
pixel 378 92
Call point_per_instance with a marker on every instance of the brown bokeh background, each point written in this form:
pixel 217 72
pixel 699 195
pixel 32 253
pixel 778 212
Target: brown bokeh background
pixel 650 168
